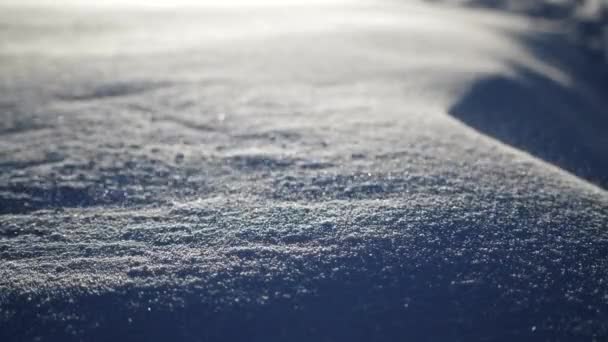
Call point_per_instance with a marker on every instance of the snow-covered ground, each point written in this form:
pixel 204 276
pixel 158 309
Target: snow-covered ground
pixel 325 172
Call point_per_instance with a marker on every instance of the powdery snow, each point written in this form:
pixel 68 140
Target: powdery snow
pixel 335 173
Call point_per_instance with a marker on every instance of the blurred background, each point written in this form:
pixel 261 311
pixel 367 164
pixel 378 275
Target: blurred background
pixel 585 20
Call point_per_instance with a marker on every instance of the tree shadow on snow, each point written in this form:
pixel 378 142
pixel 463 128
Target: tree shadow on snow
pixel 561 124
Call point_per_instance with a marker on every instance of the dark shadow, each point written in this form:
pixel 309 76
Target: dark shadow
pixel 532 8
pixel 565 49
pixel 561 125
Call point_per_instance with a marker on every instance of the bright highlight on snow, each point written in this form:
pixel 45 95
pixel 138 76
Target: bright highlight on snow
pixel 174 3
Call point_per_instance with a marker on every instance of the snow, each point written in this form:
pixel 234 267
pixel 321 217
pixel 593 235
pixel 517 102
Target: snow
pixel 343 172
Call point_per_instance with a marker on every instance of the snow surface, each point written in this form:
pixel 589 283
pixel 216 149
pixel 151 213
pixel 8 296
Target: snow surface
pixel 370 172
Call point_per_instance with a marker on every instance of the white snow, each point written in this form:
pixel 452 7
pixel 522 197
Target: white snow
pixel 360 171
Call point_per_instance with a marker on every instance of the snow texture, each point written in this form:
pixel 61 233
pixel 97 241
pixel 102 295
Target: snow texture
pixel 363 172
